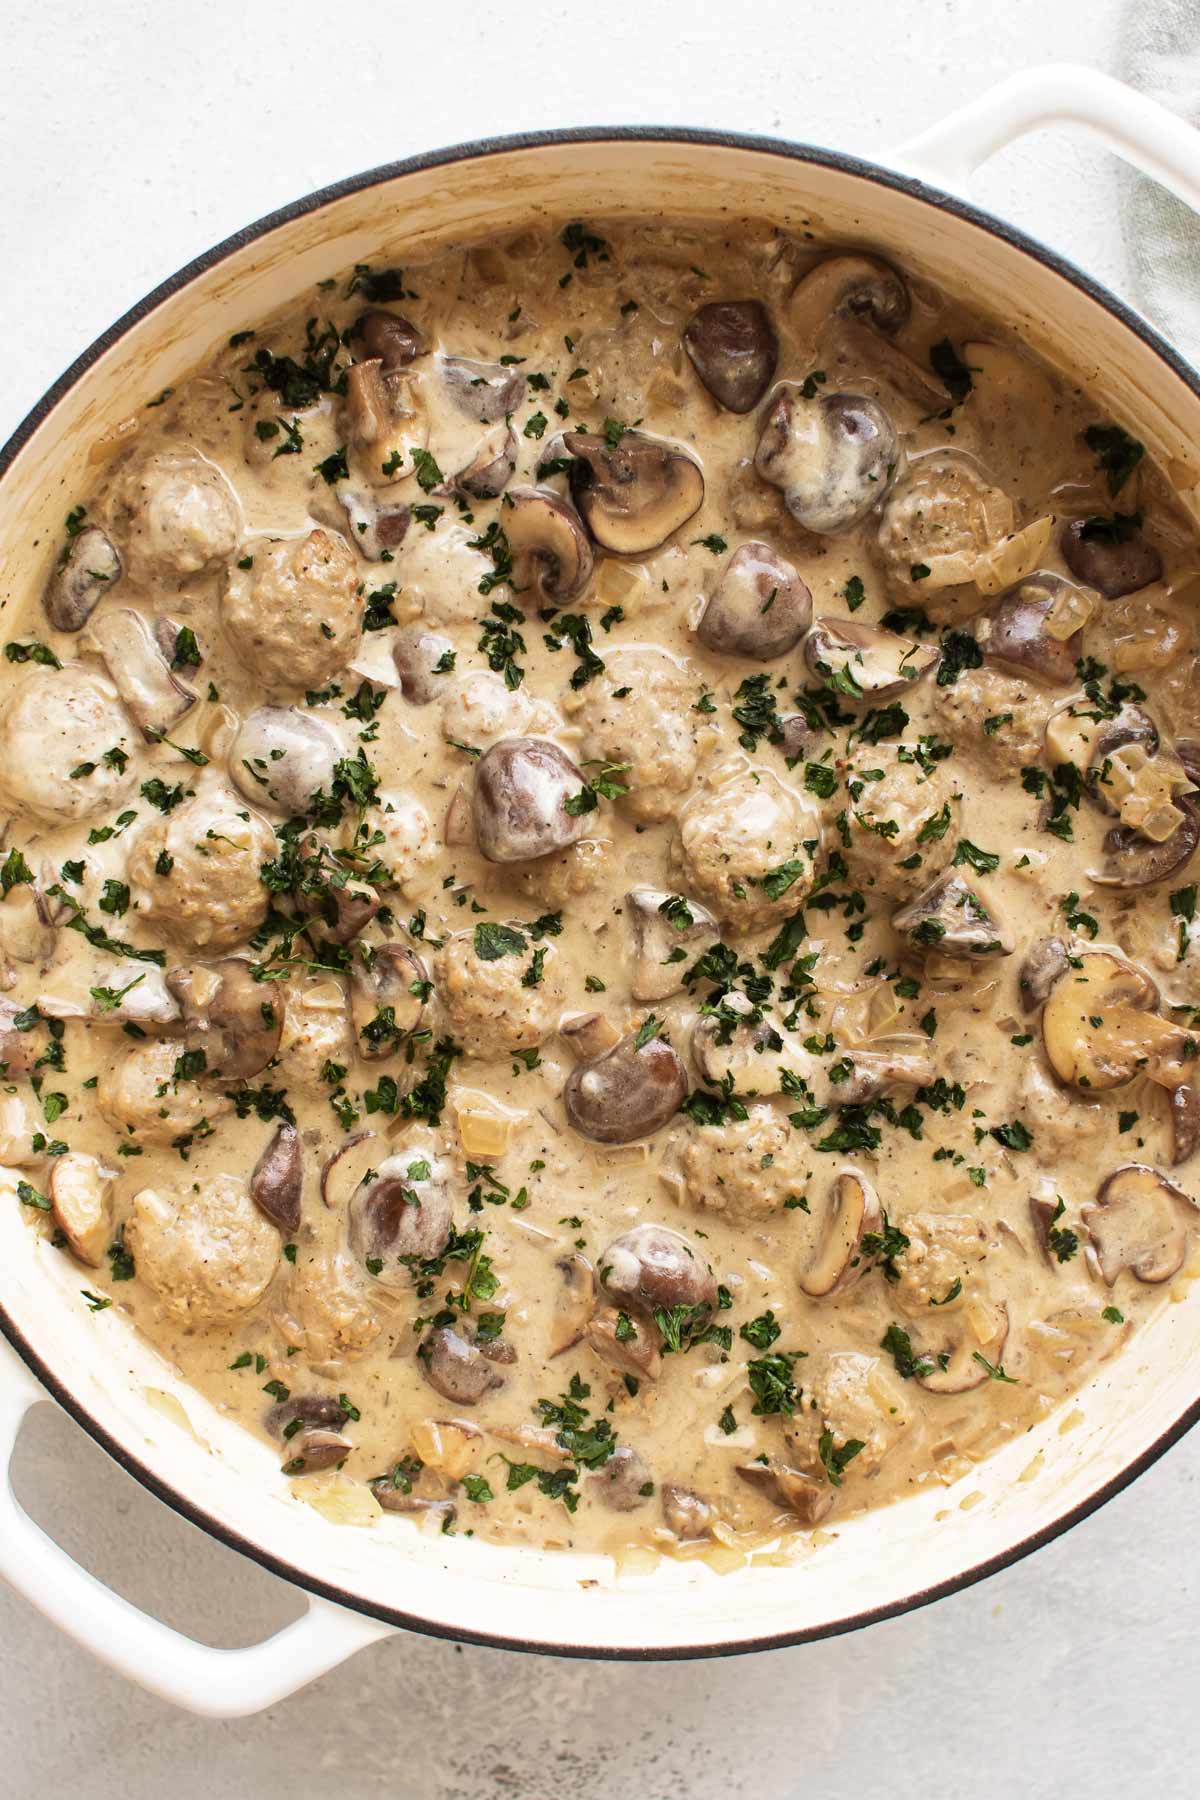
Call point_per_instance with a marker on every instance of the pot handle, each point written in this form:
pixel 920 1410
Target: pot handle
pixel 217 1684
pixel 1141 131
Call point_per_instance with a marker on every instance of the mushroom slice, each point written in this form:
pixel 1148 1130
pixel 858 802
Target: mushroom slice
pixel 326 890
pixel 628 1093
pixel 1185 1122
pixel 801 1494
pixel 229 1015
pixel 634 494
pixel 520 800
pixel 487 392
pixel 662 924
pixel 1022 633
pixel 856 286
pixel 1134 1224
pixel 1044 965
pixel 346 1168
pixel 1110 553
pixel 628 1345
pixel 379 419
pixel 732 346
pixel 759 608
pixel 548 544
pixel 685 1512
pixel 421 657
pixel 375 528
pixel 81 1202
pixel 576 1302
pixel 876 662
pixel 399 1211
pixel 285 756
pixel 1099 1027
pixel 152 695
pixel 833 456
pixel 315 1451
pixel 389 337
pixel 588 1035
pixel 969 1363
pixel 1134 860
pixel 278 1180
pixel 884 1066
pixel 491 466
pixel 388 994
pixel 951 919
pixel 741 1043
pixel 89 569
pixel 853 1210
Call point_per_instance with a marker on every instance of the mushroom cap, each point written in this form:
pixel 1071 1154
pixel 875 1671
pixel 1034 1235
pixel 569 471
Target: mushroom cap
pixel 81 1202
pixel 519 805
pixel 453 1364
pixel 390 337
pixel 880 663
pixel 278 1179
pixel 400 1210
pixel 799 1493
pixel 760 606
pixel 622 1482
pixel 1110 554
pixel 548 544
pixel 732 346
pixel 314 1451
pixel 629 1093
pixel 1015 635
pixel 284 756
pixel 833 456
pixel 662 923
pixel 950 918
pixel 1042 968
pixel 394 983
pixel 141 674
pixel 484 391
pixel 491 465
pixel 1185 1122
pixel 88 570
pixel 635 494
pixel 1132 860
pixel 1099 1026
pixel 650 1266
pixel 1134 1223
pixel 859 286
pixel 416 652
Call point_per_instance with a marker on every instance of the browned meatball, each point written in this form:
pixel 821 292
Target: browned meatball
pixel 295 614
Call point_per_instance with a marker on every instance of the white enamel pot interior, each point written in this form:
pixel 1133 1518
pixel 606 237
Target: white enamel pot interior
pixel 97 1367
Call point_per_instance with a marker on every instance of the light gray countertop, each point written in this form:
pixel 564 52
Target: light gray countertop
pixel 133 136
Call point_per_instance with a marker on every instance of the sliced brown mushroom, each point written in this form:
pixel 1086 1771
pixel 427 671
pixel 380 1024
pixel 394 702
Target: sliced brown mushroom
pixel 833 457
pixel 234 1019
pixel 629 1093
pixel 81 1203
pixel 1020 634
pixel 663 924
pixel 395 1499
pixel 1185 1122
pixel 400 1210
pixel 1133 860
pixel 685 1512
pixel 547 542
pixel 633 495
pixel 884 1066
pixel 342 1172
pixel 278 1179
pixel 1110 554
pixel 759 608
pixel 801 1494
pixel 1100 1029
pixel 454 1364
pixel 1134 1223
pixel 970 1361
pixel 853 1209
pixel 857 286
pixel 520 800
pixel 878 663
pixel 376 528
pixel 388 995
pixel 491 466
pixel 1044 965
pixel 378 417
pixel 732 346
pixel 154 697
pixel 623 1482
pixel 422 657
pixel 285 757
pixel 390 337
pixel 738 1042
pixel 90 568
pixel 576 1302
pixel 305 1412
pixel 488 392
pixel 631 1346
pixel 950 918
pixel 652 1265
pixel 588 1035
pixel 326 890
pixel 314 1451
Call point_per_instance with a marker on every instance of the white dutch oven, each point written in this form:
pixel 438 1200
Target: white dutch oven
pixel 363 1581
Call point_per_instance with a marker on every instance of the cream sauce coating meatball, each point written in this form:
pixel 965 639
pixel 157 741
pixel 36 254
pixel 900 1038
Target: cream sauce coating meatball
pixel 327 1314
pixel 995 719
pixel 316 1031
pixel 296 613
pixel 56 721
pixel 478 710
pixel 943 1248
pixel 207 1252
pixel 211 897
pixel 409 844
pixel 142 1098
pixel 747 847
pixel 640 712
pixel 565 875
pixel 854 1400
pixel 747 1167
pixel 175 515
pixel 900 811
pixel 489 1009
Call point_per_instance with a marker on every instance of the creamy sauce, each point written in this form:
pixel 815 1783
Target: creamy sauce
pixel 902 1245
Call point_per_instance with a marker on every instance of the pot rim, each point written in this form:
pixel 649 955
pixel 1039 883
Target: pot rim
pixel 843 163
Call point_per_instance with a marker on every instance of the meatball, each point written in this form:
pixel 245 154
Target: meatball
pixel 934 525
pixel 211 897
pixel 907 814
pixel 942 1248
pixel 316 1031
pixel 175 515
pixel 852 1399
pixel 328 1316
pixel 478 710
pixel 640 712
pixel 208 1253
pixel 747 848
pixel 996 717
pixel 409 842
pixel 554 881
pixel 749 1168
pixel 295 616
pixel 138 1094
pixel 1062 1126
pixel 489 1009
pixel 53 722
